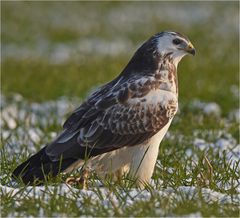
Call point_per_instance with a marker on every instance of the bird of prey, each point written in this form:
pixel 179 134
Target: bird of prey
pixel 119 127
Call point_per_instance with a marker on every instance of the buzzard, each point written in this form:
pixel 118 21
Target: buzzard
pixel 119 127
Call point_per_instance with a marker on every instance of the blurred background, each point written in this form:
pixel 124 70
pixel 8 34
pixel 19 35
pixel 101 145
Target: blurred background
pixel 53 49
pixel 54 53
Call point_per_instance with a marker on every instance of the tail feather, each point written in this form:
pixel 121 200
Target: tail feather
pixel 39 167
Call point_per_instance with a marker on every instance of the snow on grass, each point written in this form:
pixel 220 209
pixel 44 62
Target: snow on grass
pixel 35 124
pixel 63 52
pixel 223 142
pixel 133 195
pixel 208 108
pixel 76 29
pixel 29 113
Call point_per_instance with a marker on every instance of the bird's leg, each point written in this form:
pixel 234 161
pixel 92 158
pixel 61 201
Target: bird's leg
pixel 79 181
pixel 117 176
pixel 84 177
pixel 121 173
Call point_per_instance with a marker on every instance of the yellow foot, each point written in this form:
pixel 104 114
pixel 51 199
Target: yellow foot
pixel 78 181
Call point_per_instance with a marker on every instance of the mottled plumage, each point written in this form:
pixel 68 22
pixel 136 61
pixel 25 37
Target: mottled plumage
pixel 123 120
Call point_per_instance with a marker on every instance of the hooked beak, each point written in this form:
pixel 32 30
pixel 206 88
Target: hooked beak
pixel 190 49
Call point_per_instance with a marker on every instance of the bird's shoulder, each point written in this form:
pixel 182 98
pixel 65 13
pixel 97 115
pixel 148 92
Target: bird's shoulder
pixel 136 96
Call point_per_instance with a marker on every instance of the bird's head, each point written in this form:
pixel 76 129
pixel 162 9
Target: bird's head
pixel 165 45
pixel 173 44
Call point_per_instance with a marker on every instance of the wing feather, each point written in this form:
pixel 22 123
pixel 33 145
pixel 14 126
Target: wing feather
pixel 115 116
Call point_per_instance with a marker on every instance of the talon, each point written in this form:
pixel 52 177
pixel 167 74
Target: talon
pixel 70 180
pixel 78 181
pixel 73 181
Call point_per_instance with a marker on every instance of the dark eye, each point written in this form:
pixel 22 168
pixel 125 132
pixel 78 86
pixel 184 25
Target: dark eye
pixel 177 41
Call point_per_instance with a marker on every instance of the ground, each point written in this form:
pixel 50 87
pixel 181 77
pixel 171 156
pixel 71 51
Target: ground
pixel 54 54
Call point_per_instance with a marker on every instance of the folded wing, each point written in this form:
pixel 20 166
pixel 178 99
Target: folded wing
pixel 116 115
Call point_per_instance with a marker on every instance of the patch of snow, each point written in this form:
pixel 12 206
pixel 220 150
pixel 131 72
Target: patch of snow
pixel 35 134
pixel 22 122
pixel 63 52
pixel 235 115
pixel 189 152
pixel 132 195
pixel 8 116
pixel 208 108
pixel 104 47
pixel 5 134
pixel 193 215
pixel 53 134
pixel 212 108
pixel 17 97
pixel 235 91
pixel 208 194
pixel 221 142
pixel 224 144
pixel 200 143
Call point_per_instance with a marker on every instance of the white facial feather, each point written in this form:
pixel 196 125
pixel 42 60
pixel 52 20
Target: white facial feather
pixel 165 45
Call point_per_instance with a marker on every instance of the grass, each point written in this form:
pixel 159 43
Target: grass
pixel 31 35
